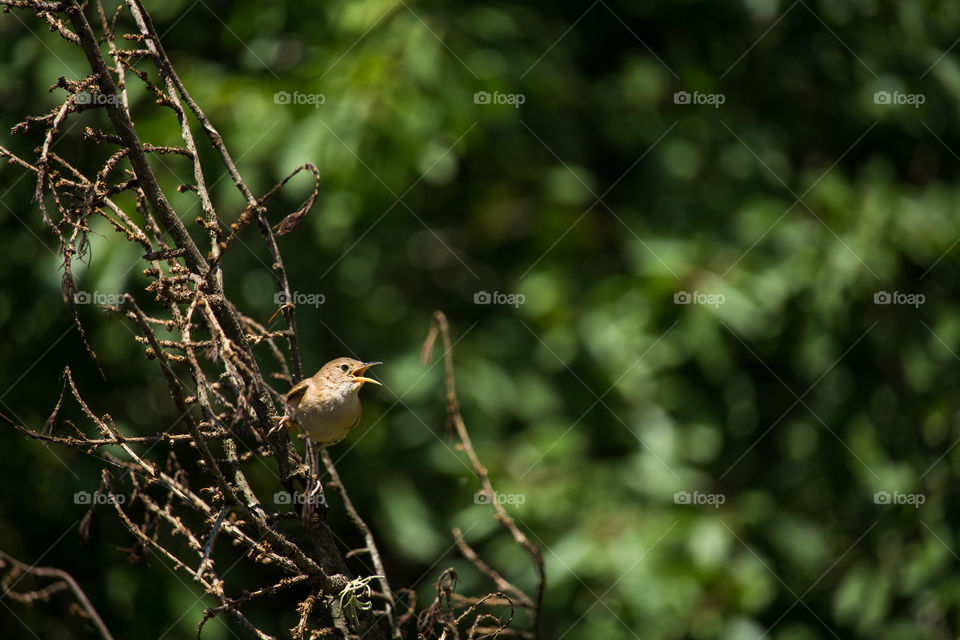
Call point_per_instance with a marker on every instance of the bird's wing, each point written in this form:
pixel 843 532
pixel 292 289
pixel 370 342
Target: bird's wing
pixel 295 395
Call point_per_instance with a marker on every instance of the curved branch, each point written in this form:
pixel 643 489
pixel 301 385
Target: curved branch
pixel 57 574
pixel 441 326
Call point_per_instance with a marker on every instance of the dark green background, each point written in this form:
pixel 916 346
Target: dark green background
pixel 598 398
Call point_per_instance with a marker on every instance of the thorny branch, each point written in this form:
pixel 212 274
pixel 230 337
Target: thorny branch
pixel 188 490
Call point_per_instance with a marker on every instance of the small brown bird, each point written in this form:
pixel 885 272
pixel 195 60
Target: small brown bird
pixel 326 407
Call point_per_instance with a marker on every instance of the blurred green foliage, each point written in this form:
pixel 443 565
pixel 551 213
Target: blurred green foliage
pixel 597 399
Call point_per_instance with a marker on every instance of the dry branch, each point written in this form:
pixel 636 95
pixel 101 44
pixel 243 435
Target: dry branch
pixel 441 327
pixel 61 580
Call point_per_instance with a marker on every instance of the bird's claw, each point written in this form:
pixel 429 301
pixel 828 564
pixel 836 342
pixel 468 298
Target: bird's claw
pixel 284 420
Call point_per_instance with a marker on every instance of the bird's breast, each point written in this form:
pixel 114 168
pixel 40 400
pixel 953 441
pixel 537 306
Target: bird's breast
pixel 327 417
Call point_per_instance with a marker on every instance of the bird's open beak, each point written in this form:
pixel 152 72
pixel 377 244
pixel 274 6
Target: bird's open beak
pixel 358 373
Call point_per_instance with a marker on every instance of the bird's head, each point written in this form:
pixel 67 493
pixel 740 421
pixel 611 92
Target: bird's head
pixel 347 373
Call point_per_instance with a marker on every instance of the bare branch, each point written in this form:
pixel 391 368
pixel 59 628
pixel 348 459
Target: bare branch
pixel 16 569
pixel 454 417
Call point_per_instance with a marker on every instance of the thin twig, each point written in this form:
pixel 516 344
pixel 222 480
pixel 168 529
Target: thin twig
pixel 57 574
pixel 441 326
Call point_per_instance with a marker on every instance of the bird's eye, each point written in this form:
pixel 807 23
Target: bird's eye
pixel 345 368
